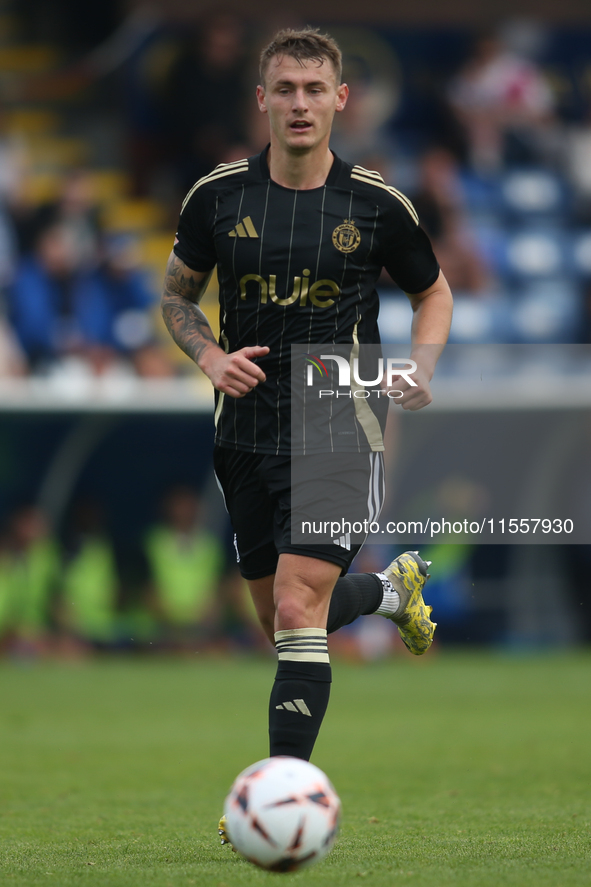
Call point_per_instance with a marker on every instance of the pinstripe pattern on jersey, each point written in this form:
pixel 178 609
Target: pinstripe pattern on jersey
pixel 262 244
pixel 360 292
pixel 337 312
pixel 302 645
pixel 370 177
pixel 320 239
pixel 289 258
pixel 237 284
pixel 220 172
pixel 295 231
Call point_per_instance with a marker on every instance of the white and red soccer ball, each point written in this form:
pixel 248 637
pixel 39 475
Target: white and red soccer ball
pixel 282 814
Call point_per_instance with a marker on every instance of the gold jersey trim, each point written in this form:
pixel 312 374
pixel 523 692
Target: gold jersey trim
pixel 220 406
pixel 369 172
pixel 374 178
pixel 224 169
pixel 364 413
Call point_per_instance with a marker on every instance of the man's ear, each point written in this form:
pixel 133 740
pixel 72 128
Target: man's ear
pixel 342 96
pixel 261 99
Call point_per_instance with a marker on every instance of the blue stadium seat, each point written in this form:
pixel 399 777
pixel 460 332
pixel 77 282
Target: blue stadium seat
pixel 480 320
pixel 481 193
pixel 544 311
pixel 548 311
pixel 535 253
pixel 490 238
pixel 395 318
pixel 533 193
pixel 475 320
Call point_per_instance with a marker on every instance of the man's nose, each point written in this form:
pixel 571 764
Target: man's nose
pixel 300 100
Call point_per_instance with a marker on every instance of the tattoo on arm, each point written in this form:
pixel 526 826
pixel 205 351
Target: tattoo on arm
pixel 184 319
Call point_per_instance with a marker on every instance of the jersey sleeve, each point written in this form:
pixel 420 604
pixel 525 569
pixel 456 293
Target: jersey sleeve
pixel 407 254
pixel 194 242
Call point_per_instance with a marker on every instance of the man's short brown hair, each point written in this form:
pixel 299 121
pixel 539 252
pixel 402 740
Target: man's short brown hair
pixel 304 45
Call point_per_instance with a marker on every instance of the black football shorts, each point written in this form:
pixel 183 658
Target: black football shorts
pixel 339 496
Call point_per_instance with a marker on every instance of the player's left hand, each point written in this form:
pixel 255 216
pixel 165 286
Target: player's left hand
pixel 413 397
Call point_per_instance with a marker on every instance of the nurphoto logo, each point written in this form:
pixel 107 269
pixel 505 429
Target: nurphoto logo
pixel 349 376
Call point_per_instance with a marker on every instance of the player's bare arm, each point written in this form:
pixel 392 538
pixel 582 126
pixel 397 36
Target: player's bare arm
pixel 432 312
pixel 234 374
pixel 184 319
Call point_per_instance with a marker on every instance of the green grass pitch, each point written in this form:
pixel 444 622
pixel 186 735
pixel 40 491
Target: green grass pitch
pixel 457 769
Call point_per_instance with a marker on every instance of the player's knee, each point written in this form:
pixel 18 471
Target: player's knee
pixel 302 597
pixel 292 612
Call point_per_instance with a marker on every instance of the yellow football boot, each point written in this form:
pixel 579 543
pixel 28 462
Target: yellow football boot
pixel 223 833
pixel 408 574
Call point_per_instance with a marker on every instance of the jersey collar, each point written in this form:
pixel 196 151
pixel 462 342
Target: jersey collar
pixel 263 168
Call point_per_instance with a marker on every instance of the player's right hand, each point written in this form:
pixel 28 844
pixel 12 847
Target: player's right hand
pixel 235 374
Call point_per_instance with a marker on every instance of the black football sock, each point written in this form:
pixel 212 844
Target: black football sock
pixel 300 694
pixel 358 594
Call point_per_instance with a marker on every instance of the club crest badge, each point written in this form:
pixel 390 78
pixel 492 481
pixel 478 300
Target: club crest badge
pixel 346 237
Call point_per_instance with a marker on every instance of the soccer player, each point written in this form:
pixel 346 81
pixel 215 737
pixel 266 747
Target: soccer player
pixel 299 239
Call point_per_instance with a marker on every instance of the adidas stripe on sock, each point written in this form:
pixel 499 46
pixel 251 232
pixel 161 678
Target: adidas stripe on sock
pixel 296 705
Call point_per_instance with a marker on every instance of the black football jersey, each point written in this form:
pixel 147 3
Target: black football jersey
pixel 297 267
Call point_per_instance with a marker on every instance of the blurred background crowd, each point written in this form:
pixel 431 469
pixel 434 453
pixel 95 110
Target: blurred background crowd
pixel 106 120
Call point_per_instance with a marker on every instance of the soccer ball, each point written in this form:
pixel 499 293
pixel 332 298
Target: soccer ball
pixel 282 814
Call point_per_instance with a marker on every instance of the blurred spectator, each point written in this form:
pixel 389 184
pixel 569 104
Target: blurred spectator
pixel 442 211
pixel 12 162
pixel 504 103
pixel 11 153
pixel 451 586
pixel 43 299
pixel 90 580
pixel 59 310
pixel 114 301
pixel 12 362
pixel 144 50
pixel 204 96
pixel 8 248
pixel 361 134
pixel 75 210
pixel 30 573
pixel 185 562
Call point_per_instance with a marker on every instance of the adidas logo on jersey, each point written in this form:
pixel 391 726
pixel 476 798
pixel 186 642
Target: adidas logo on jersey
pixel 245 228
pixel 296 705
pixel 343 541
